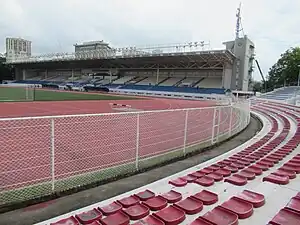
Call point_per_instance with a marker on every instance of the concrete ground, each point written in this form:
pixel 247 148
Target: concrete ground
pixel 43 211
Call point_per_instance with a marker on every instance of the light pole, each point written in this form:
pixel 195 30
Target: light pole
pixel 299 76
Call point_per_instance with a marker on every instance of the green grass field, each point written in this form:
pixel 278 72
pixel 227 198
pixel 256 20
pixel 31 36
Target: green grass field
pixel 8 94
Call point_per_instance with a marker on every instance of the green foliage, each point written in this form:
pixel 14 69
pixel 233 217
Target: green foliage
pixel 285 70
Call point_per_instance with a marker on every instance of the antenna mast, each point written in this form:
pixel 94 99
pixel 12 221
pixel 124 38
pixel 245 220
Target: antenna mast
pixel 238 22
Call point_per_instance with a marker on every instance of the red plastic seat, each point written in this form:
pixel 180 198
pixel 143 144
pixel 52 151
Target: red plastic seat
pixel 294 204
pixel 89 216
pixel 137 211
pixel 206 171
pixel 220 216
pixel 238 165
pixel 276 179
pixel 297 195
pixel 248 175
pixel 172 196
pixel 128 201
pixel 178 182
pixel 223 172
pixel 213 167
pixel 145 195
pixel 118 218
pixel 259 166
pixel 189 178
pixel 171 215
pixel 254 169
pixel 150 220
pixel 236 180
pixel 197 174
pixel 264 163
pixel 201 221
pixel 156 203
pixel 286 217
pixel 207 197
pixel 205 181
pixel 215 176
pixel 190 205
pixel 242 208
pixel 256 199
pixel 290 174
pixel 291 168
pixel 110 209
pixel 245 161
pixel 70 221
pixel 231 168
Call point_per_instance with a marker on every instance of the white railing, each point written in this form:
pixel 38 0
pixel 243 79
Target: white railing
pixel 43 155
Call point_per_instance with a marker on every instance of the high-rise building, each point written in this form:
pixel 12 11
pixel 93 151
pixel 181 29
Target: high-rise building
pixel 17 47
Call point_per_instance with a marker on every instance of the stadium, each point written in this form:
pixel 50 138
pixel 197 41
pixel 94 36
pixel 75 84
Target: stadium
pixel 73 121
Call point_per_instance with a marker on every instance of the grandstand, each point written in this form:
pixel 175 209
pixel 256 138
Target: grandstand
pixel 282 94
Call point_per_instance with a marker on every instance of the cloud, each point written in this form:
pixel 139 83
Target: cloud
pixel 54 26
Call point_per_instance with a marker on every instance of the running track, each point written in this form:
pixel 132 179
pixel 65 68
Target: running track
pixel 86 144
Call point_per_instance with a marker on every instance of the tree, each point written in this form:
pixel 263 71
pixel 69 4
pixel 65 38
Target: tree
pixel 285 71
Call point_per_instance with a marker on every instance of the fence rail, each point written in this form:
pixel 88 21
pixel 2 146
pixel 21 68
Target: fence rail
pixel 43 155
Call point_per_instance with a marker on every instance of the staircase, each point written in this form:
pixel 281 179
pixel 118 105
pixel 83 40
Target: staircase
pixel 179 82
pixel 163 81
pixel 197 82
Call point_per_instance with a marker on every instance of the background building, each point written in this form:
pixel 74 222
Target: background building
pixel 93 49
pixel 17 47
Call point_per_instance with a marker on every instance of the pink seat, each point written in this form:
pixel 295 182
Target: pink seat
pixel 206 170
pixel 172 196
pixel 248 175
pixel 291 168
pixel 294 204
pixel 286 217
pixel 276 179
pixel 189 178
pixel 231 168
pixel 156 203
pixel 145 195
pixel 197 174
pixel 118 218
pixel 238 165
pixel 242 208
pixel 290 174
pixel 236 180
pixel 171 215
pixel 221 216
pixel 128 201
pixel 256 199
pixel 137 211
pixel 150 220
pixel 213 167
pixel 255 170
pixel 190 205
pixel 69 221
pixel 223 172
pixel 205 181
pixel 207 197
pixel 260 166
pixel 110 209
pixel 89 216
pixel 215 176
pixel 178 182
pixel 201 221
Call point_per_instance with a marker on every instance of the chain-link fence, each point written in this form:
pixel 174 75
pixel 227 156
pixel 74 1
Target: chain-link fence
pixel 43 155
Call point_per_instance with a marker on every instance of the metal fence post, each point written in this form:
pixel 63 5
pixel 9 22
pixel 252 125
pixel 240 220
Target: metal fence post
pixel 52 154
pixel 185 131
pixel 219 123
pixel 137 141
pixel 230 120
pixel 213 126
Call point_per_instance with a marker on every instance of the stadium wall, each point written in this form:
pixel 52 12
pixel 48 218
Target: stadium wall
pixel 46 155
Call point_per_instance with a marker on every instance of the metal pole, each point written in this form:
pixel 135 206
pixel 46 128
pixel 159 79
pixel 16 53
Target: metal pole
pixel 299 76
pixel 185 131
pixel 213 126
pixel 137 141
pixel 52 154
pixel 230 120
pixel 219 122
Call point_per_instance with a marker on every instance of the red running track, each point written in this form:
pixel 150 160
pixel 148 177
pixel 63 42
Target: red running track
pixel 91 143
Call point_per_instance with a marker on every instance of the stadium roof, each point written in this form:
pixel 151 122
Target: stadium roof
pixel 175 60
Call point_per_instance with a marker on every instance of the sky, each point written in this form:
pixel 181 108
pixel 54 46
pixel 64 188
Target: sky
pixel 54 26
